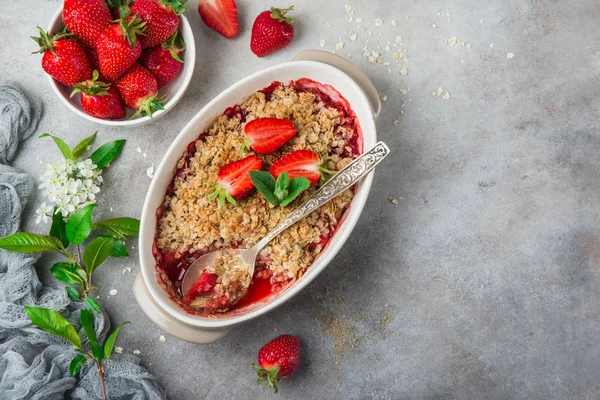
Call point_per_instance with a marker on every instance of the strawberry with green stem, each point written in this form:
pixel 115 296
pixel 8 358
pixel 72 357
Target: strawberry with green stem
pixel 139 90
pixel 272 31
pixel 99 99
pixel 118 46
pixel 86 19
pixel 164 61
pixel 277 359
pixel 161 18
pixel 63 58
pixel 233 180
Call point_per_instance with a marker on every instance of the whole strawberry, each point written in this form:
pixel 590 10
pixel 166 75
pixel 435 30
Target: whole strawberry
pixel 100 99
pixel 163 61
pixel 118 47
pixel 278 359
pixel 271 31
pixel 64 58
pixel 161 18
pixel 86 19
pixel 138 89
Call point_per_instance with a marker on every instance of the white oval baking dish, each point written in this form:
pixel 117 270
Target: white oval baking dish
pixel 363 99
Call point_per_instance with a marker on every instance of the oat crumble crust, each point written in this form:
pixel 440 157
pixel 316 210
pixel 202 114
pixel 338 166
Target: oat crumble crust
pixel 191 224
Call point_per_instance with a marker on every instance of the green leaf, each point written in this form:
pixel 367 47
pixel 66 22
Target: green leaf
pixel 110 342
pixel 97 351
pixel 120 227
pixel 72 293
pixel 51 321
pixel 76 363
pixel 66 272
pixel 64 149
pixel 97 252
pixel 86 318
pixel 119 249
pixel 297 186
pixel 265 184
pixel 107 152
pixel 25 242
pixel 281 186
pixel 79 224
pixel 92 304
pixel 83 145
pixel 59 228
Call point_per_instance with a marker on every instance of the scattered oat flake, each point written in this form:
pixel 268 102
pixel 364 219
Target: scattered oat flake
pixel 150 171
pixel 394 22
pixel 388 48
pixel 491 44
pixel 118 349
pixel 434 93
pixel 468 46
pixel 349 18
pixel 404 71
pixel 393 200
pixel 339 46
pixel 145 155
pixel 139 149
pixel 323 42
pixel 383 97
pixel 378 22
pixel 328 23
pixel 440 91
pixel 113 292
pixel 434 26
pixel 137 352
pixel 162 338
pixel 398 39
pixel 396 123
pixel 111 209
pixel 510 55
pixel 446 96
pixel 375 53
pixel 348 8
pixel 353 37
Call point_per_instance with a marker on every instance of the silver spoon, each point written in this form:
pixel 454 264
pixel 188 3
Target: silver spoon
pixel 337 184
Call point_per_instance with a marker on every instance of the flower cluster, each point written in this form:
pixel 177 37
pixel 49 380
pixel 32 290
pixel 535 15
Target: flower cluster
pixel 69 185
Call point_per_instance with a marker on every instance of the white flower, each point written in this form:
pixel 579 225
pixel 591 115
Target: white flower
pixel 43 213
pixel 71 185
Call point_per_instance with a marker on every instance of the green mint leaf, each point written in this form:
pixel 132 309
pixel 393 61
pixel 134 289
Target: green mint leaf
pixel 92 304
pixel 25 242
pixel 297 186
pixel 107 152
pixel 83 145
pixel 119 249
pixel 110 342
pixel 97 252
pixel 51 321
pixel 79 224
pixel 59 228
pixel 66 272
pixel 62 146
pixel 76 363
pixel 97 351
pixel 265 184
pixel 72 293
pixel 86 318
pixel 281 186
pixel 120 228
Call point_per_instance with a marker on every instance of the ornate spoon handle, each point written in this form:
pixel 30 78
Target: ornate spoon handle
pixel 341 181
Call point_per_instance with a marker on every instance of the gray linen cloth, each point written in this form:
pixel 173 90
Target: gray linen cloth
pixel 33 363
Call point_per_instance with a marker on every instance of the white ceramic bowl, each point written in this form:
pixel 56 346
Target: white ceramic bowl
pixel 153 300
pixel 174 90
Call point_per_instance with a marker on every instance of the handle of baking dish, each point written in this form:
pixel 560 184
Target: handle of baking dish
pixel 169 324
pixel 350 69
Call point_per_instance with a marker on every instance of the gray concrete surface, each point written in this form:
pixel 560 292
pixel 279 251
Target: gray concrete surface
pixel 481 283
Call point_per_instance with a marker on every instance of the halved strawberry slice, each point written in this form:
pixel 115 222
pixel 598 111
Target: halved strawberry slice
pixel 233 181
pixel 266 135
pixel 220 15
pixel 203 286
pixel 300 163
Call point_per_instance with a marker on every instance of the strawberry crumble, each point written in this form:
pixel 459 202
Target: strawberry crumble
pixel 189 224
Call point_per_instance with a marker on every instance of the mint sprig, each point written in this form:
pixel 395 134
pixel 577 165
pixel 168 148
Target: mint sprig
pixel 281 191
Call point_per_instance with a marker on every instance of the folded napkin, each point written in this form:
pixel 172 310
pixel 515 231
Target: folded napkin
pixel 33 363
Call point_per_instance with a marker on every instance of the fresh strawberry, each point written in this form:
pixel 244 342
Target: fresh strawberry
pixel 100 99
pixel 300 163
pixel 64 58
pixel 161 18
pixel 266 135
pixel 271 31
pixel 163 61
pixel 138 89
pixel 86 19
pixel 220 15
pixel 118 47
pixel 203 286
pixel 233 181
pixel 278 359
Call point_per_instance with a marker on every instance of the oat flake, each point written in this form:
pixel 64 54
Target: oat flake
pixel 323 42
pixel 118 350
pixel 113 292
pixel 137 352
pixel 339 46
pixel 378 22
pixel 510 55
pixel 162 338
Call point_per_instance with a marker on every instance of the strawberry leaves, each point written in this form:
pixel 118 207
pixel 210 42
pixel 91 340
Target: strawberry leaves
pixel 281 191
